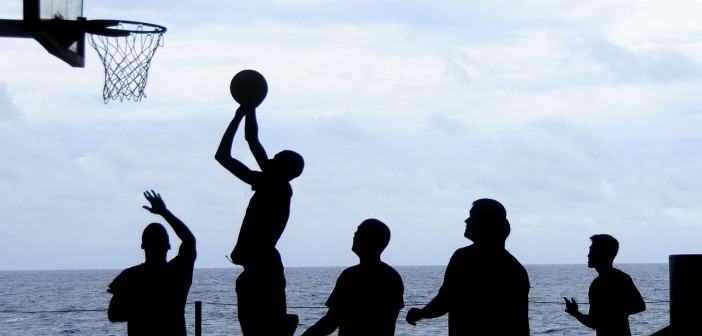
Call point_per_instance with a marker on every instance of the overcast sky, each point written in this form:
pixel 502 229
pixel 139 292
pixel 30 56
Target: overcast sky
pixel 580 117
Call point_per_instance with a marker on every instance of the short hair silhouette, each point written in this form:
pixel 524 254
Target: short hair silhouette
pixel 606 244
pixel 290 163
pixel 155 236
pixel 488 221
pixel 375 235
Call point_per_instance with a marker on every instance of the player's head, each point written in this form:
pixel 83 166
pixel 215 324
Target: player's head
pixel 487 222
pixel 155 238
pixel 371 238
pixel 603 250
pixel 288 164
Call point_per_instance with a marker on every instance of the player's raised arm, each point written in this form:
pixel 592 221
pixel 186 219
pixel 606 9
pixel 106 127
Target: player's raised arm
pixel 224 151
pixel 158 207
pixel 251 135
pixel 249 88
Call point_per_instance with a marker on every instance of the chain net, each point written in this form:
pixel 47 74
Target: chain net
pixel 127 60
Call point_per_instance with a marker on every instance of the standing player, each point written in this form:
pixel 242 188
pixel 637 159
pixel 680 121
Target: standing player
pixel 260 287
pixel 613 295
pixel 367 297
pixel 485 289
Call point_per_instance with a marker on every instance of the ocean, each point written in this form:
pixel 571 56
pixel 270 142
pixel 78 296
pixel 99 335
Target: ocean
pixel 74 302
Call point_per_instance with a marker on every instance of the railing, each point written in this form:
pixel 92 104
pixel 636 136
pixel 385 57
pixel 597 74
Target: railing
pixel 198 312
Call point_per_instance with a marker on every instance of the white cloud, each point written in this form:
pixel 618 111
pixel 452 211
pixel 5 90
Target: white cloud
pixel 8 109
pixel 658 66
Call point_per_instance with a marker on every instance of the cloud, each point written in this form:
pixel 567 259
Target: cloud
pixel 446 124
pixel 8 109
pixel 657 66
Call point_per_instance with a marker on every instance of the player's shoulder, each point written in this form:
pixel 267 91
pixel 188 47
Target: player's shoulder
pixel 351 270
pixel 394 275
pixel 379 268
pixel 465 252
pixel 126 277
pixel 136 269
pixel 621 275
pixel 389 268
pixel 386 271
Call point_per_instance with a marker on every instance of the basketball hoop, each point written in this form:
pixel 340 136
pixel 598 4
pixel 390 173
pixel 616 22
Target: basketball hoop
pixel 126 49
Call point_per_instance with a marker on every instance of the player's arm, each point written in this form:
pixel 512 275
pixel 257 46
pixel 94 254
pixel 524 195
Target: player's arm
pixel 251 135
pixel 117 311
pixel 325 326
pixel 572 309
pixel 639 306
pixel 224 151
pixel 438 306
pixel 119 308
pixel 158 206
pixel 636 302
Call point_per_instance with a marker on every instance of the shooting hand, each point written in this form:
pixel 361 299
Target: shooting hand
pixel 244 110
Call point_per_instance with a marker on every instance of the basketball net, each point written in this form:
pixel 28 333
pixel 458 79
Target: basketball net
pixel 127 58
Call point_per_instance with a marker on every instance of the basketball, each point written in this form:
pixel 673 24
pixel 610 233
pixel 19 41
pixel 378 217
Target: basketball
pixel 248 88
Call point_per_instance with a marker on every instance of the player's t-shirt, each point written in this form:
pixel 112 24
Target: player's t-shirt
pixel 156 296
pixel 486 292
pixel 367 300
pixel 264 222
pixel 613 297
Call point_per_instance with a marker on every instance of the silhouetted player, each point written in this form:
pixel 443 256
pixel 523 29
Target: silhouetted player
pixel 613 295
pixel 260 287
pixel 367 297
pixel 485 289
pixel 151 297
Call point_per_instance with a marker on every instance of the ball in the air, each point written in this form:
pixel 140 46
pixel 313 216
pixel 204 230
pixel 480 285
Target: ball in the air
pixel 248 88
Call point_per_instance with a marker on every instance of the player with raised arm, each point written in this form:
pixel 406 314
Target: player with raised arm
pixel 151 296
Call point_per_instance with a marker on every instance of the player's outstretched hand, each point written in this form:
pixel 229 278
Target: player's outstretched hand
pixel 157 205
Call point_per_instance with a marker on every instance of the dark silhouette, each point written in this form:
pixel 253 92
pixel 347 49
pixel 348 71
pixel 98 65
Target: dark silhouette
pixel 367 297
pixel 613 295
pixel 151 297
pixel 485 289
pixel 260 287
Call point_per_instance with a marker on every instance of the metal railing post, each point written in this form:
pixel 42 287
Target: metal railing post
pixel 198 318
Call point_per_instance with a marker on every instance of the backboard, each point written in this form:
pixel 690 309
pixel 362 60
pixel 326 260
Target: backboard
pixel 48 22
